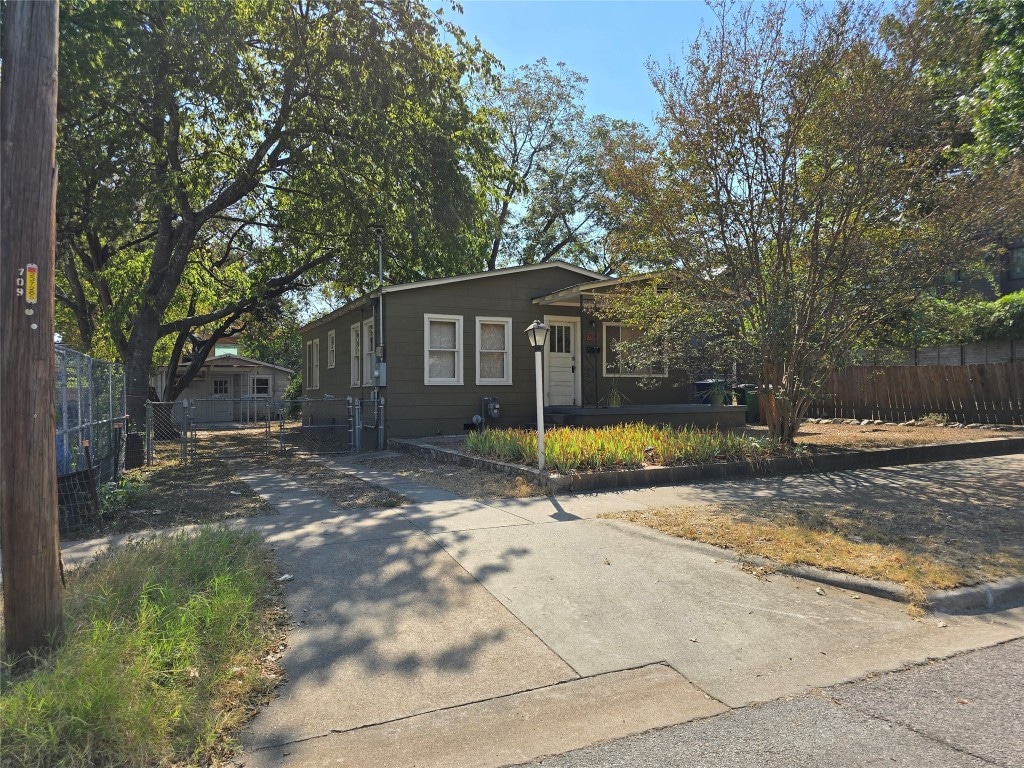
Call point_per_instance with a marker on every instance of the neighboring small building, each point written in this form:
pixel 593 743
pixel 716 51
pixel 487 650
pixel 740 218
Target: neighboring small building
pixel 431 352
pixel 230 387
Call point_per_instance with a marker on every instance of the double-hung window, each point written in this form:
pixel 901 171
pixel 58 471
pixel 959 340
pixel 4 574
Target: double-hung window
pixel 493 350
pixel 260 386
pixel 614 361
pixel 355 354
pixel 442 349
pixel 331 348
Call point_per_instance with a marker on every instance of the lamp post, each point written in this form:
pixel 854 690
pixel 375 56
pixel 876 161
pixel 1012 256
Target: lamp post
pixel 537 333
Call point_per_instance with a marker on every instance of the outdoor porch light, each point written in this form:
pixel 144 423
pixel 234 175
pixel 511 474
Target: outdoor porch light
pixel 538 335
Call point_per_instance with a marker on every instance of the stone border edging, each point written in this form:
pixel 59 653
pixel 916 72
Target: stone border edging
pixel 701 473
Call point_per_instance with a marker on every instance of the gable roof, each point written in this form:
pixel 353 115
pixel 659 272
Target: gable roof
pixel 236 361
pixel 589 274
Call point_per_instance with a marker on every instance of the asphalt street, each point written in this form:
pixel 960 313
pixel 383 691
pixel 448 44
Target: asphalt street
pixel 963 711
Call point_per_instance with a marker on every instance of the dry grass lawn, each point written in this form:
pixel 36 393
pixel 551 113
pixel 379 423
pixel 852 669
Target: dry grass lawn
pixel 919 545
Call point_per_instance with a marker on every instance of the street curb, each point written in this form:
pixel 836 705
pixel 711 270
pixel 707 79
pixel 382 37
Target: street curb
pixel 704 473
pixel 1005 593
pixel 996 595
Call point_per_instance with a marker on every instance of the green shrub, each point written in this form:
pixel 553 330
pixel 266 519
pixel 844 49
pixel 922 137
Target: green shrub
pixel 624 446
pixel 156 635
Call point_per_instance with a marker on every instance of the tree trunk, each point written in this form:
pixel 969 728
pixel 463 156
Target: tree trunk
pixel 29 525
pixel 783 401
pixel 137 363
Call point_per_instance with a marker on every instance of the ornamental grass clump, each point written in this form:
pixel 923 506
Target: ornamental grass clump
pixel 623 446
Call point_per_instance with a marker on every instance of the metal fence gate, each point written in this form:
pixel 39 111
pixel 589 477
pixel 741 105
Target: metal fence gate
pixel 225 427
pixel 317 426
pixel 216 428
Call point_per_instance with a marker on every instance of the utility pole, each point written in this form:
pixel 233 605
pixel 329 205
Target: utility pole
pixel 29 528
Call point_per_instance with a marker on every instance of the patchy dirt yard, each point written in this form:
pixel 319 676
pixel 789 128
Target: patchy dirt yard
pixel 345 491
pixel 831 437
pixel 469 482
pixel 170 494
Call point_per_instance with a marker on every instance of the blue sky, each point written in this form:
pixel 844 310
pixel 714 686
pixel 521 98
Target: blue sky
pixel 609 41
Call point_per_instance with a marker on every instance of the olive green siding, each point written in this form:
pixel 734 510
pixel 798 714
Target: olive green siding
pixel 416 409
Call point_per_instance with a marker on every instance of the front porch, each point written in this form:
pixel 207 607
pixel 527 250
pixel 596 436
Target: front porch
pixel 724 417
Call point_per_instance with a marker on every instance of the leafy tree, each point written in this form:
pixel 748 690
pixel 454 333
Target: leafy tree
pixel 550 197
pixel 976 50
pixel 801 196
pixel 216 156
pixel 272 335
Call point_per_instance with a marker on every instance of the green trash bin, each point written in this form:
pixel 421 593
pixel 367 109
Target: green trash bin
pixel 753 406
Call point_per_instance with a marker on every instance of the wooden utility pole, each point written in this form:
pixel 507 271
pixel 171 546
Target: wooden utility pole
pixel 29 534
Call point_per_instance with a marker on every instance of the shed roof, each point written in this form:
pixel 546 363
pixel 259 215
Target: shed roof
pixel 573 293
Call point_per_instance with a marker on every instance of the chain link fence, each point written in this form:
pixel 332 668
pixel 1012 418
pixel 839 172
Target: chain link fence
pixel 217 428
pixel 317 426
pixel 91 434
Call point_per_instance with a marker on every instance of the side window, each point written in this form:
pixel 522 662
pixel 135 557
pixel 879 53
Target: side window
pixel 330 349
pixel 442 349
pixel 261 386
pixel 1017 263
pixel 355 353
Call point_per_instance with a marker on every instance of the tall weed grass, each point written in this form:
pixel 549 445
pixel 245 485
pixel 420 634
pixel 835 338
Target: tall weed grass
pixel 623 446
pixel 162 642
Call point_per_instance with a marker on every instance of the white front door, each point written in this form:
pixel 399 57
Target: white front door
pixel 562 374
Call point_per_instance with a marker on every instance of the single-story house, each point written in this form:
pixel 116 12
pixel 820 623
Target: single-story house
pixel 231 388
pixel 435 353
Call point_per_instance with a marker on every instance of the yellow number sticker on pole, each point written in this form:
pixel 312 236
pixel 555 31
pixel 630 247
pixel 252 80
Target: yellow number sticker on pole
pixel 31 283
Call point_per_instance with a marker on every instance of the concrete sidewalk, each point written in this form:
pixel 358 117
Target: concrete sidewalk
pixel 455 632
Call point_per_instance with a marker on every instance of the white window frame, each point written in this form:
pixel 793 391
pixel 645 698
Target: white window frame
pixel 315 382
pixel 355 354
pixel 227 386
pixel 258 377
pixel 369 347
pixel 644 374
pixel 507 322
pixel 331 348
pixel 1016 265
pixel 457 319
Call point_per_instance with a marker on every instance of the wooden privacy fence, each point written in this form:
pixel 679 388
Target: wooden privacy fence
pixel 985 394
